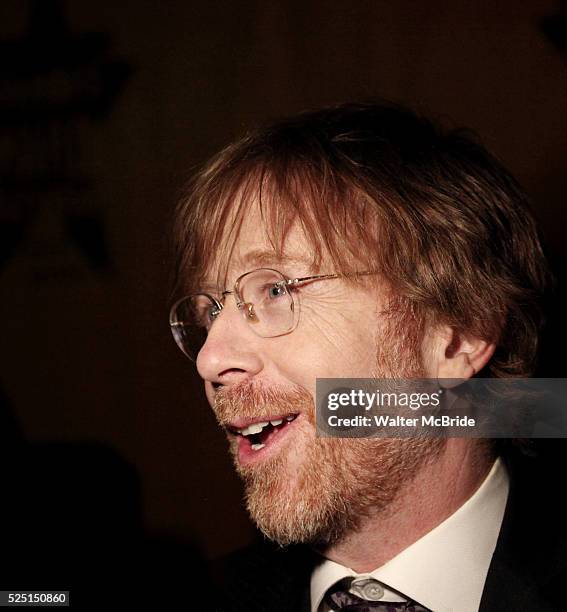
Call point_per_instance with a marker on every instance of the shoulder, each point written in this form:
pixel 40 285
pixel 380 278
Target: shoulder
pixel 530 559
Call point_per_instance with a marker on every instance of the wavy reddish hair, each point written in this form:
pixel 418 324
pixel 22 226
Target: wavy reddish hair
pixel 376 186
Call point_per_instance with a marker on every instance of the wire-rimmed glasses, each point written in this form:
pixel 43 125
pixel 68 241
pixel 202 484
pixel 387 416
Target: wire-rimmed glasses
pixel 264 296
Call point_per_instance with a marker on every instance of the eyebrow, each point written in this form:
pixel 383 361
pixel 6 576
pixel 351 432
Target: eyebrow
pixel 263 258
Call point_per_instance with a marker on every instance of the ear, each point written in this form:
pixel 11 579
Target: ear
pixel 454 354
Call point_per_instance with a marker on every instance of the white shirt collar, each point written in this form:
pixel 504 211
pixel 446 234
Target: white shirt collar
pixel 445 570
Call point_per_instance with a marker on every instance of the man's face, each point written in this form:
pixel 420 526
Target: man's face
pixel 301 487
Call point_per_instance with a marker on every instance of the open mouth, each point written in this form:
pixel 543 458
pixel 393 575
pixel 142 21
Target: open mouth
pixel 259 435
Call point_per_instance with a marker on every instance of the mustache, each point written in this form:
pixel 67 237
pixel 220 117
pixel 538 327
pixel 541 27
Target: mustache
pixel 251 399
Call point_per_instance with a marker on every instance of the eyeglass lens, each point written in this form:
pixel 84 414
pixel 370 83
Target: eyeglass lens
pixel 267 306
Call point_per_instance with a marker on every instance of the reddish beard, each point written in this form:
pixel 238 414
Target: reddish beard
pixel 315 489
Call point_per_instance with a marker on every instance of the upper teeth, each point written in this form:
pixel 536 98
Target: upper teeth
pixel 256 428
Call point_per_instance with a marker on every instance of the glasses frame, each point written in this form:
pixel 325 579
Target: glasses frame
pixel 241 304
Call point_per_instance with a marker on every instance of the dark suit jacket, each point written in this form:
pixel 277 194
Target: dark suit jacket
pixel 527 572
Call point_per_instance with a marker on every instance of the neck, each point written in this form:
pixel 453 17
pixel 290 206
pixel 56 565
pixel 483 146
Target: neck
pixel 437 491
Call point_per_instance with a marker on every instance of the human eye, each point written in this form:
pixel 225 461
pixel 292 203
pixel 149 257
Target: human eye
pixel 275 290
pixel 213 311
pixel 205 313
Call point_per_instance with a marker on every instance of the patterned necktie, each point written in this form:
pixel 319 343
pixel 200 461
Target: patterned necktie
pixel 370 591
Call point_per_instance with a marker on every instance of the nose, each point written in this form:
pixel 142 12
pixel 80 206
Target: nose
pixel 231 352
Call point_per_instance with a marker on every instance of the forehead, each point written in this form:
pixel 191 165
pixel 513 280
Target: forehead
pixel 254 245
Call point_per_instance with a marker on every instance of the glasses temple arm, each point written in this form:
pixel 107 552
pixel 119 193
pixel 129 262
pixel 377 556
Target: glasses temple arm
pixel 304 279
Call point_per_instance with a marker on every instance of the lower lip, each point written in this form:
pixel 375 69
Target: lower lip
pixel 247 456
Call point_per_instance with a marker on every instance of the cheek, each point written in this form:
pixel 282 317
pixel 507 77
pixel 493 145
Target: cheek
pixel 348 333
pixel 329 345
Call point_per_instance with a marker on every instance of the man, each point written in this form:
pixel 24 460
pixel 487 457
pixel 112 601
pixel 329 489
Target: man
pixel 362 241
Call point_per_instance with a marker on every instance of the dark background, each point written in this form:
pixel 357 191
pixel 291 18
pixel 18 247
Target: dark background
pixel 105 110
